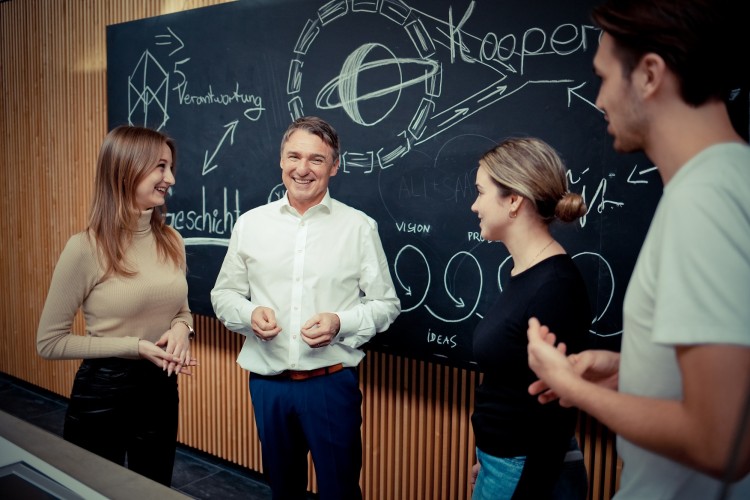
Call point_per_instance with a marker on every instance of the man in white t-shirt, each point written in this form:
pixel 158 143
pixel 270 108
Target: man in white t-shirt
pixel 678 392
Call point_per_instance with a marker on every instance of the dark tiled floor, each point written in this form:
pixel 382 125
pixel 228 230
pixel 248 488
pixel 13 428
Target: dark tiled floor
pixel 196 474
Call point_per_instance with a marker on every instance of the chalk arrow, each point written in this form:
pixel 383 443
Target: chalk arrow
pixel 231 127
pixel 499 90
pixel 572 91
pixel 456 114
pixel 630 177
pixel 171 35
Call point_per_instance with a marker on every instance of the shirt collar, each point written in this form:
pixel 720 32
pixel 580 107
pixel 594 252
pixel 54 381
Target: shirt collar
pixel 325 205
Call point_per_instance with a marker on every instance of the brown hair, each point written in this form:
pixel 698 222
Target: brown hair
pixel 532 168
pixel 701 41
pixel 126 156
pixel 316 126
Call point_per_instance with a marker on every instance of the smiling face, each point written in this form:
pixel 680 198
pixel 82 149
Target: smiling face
pixel 618 99
pixel 491 206
pixel 306 166
pixel 152 190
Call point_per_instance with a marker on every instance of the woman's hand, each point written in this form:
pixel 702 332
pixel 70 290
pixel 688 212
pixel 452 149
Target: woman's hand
pixel 164 360
pixel 171 352
pixel 475 474
pixel 176 342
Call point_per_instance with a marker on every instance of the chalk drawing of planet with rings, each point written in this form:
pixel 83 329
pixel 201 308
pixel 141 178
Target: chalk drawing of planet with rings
pixel 346 90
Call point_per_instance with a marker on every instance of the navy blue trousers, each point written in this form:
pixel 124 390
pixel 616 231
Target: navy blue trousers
pixel 320 415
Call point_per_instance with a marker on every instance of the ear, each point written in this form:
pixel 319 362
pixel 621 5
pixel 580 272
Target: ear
pixel 649 75
pixel 516 200
pixel 335 168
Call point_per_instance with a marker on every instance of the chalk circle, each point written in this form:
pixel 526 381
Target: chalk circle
pixel 342 91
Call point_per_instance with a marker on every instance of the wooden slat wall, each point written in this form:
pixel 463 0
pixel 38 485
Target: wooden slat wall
pixel 416 430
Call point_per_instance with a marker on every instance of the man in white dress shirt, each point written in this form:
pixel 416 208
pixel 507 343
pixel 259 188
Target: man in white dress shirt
pixel 306 280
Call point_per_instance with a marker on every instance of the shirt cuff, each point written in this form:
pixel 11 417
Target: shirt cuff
pixel 349 324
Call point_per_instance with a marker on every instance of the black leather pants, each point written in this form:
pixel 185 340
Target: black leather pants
pixel 125 409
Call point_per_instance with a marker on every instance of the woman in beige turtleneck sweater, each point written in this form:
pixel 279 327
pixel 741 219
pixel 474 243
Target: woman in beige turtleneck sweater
pixel 126 272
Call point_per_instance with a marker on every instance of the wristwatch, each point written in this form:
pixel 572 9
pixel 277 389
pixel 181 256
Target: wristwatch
pixel 191 332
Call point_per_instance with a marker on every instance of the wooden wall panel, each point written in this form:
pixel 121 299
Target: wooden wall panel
pixel 416 428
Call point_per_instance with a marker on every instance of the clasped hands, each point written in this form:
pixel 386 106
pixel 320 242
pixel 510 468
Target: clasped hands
pixel 171 352
pixel 561 376
pixel 318 331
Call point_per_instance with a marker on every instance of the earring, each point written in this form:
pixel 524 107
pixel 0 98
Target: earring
pixel 512 214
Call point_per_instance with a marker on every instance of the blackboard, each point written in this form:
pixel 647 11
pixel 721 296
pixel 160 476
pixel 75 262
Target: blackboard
pixel 417 90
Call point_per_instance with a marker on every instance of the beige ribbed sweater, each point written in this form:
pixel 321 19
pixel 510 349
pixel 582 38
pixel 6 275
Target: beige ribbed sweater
pixel 118 311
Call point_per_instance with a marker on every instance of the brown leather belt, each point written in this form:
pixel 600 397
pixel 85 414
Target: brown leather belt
pixel 306 374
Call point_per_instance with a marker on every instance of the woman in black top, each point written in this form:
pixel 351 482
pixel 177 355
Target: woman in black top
pixel 521 444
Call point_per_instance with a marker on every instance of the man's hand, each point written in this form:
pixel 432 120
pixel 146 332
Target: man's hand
pixel 547 361
pixel 320 330
pixel 555 371
pixel 263 321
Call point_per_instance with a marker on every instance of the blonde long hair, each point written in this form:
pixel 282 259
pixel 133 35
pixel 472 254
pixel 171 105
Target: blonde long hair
pixel 126 156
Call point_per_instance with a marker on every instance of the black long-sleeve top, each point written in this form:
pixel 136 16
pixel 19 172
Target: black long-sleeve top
pixel 507 420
